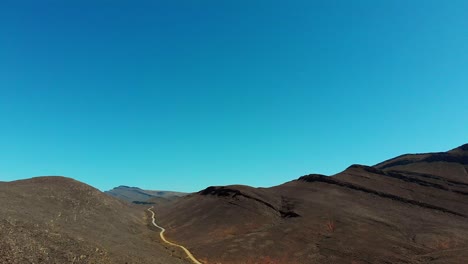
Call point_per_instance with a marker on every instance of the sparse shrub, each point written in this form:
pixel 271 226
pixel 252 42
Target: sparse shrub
pixel 443 244
pixel 331 225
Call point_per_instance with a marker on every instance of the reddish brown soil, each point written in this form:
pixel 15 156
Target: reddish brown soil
pixel 411 209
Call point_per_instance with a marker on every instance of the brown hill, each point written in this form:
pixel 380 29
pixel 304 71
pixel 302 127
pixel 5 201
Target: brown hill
pixel 411 209
pixel 60 220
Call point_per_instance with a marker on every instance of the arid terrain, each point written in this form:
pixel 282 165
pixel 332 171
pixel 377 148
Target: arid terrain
pixel 410 209
pixel 60 220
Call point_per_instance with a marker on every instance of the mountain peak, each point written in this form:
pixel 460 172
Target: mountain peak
pixel 460 149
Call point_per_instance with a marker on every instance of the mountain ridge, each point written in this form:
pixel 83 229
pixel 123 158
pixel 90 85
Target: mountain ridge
pixel 402 210
pixel 392 209
pixel 140 196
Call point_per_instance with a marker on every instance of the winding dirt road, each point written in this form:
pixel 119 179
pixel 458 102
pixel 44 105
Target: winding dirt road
pixel 161 234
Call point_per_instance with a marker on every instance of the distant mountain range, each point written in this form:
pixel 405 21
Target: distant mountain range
pixel 411 209
pixel 140 196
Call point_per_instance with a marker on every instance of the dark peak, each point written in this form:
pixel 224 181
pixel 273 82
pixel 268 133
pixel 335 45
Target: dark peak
pixel 220 191
pixel 311 177
pixel 364 168
pixel 460 149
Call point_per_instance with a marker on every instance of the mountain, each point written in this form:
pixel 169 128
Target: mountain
pixel 452 165
pixel 60 220
pixel 410 209
pixel 139 196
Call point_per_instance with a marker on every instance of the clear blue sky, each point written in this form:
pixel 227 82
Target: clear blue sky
pixel 181 95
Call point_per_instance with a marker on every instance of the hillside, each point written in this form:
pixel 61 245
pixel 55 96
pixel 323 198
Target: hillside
pixel 452 165
pixel 411 209
pixel 60 220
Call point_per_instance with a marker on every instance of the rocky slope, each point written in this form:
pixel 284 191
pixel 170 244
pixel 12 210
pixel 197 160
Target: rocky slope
pixel 411 209
pixel 60 220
